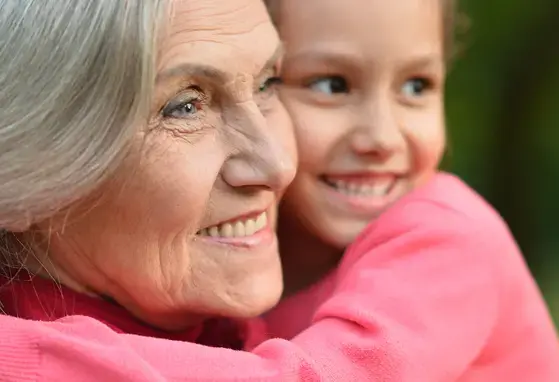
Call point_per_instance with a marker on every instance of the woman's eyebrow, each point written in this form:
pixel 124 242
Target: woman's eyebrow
pixel 190 69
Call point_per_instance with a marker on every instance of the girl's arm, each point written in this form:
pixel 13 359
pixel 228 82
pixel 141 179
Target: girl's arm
pixel 417 301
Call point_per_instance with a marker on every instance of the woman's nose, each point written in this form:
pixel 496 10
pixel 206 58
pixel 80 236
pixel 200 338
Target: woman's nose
pixel 263 154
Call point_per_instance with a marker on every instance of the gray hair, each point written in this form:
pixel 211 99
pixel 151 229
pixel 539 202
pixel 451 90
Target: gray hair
pixel 76 79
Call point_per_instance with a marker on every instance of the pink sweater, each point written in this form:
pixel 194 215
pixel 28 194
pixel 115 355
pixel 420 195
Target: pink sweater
pixel 434 291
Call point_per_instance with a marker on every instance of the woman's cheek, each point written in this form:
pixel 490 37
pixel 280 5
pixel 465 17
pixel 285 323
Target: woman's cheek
pixel 281 121
pixel 175 183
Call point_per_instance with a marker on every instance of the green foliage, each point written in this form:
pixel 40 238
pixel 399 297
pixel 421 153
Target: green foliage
pixel 503 118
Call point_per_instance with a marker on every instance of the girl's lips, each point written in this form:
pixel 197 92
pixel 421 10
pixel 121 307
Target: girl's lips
pixel 362 186
pixel 363 176
pixel 366 197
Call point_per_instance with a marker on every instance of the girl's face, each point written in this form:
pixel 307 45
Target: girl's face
pixel 365 89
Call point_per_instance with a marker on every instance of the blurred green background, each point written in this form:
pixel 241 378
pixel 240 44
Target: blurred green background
pixel 503 119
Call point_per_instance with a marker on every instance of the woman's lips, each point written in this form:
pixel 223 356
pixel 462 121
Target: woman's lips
pixel 245 231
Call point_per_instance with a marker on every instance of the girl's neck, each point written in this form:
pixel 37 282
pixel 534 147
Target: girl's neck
pixel 305 258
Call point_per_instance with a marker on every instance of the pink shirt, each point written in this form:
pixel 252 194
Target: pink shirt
pixel 434 291
pixel 35 298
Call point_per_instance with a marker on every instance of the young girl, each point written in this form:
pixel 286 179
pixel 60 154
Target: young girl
pixel 449 296
pixel 364 86
pixel 434 289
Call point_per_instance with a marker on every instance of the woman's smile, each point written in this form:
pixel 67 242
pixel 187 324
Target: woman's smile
pixel 250 230
pixel 187 219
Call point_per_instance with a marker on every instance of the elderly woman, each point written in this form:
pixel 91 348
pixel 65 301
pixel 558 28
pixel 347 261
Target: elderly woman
pixel 143 152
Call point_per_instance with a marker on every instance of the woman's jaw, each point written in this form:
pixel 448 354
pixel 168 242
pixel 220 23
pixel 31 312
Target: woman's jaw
pixel 187 230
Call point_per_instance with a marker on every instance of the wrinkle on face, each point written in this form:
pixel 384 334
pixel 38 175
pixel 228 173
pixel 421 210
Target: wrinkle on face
pixel 150 259
pixel 208 22
pixel 216 16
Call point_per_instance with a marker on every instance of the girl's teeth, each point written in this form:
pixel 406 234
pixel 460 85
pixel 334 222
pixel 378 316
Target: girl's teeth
pixel 261 222
pixel 239 228
pixel 380 189
pixel 361 189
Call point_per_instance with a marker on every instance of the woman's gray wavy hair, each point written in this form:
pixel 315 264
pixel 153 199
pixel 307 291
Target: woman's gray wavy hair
pixel 76 80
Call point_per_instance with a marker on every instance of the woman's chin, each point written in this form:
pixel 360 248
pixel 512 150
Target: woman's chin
pixel 255 296
pixel 257 304
pixel 250 300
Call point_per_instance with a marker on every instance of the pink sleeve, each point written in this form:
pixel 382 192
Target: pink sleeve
pixel 425 288
pixel 418 307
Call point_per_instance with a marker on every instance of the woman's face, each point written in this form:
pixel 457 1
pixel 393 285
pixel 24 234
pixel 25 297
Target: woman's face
pixel 187 228
pixel 365 90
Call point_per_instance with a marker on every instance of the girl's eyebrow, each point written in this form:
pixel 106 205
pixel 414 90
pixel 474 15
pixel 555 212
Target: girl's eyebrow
pixel 342 57
pixel 422 60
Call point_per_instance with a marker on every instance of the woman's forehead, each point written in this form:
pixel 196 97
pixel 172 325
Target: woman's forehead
pixel 212 13
pixel 227 36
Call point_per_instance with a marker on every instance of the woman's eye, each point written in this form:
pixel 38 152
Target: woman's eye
pixel 181 110
pixel 330 85
pixel 415 87
pixel 269 83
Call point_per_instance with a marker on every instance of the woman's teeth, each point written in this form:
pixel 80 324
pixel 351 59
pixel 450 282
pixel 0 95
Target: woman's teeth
pixel 237 228
pixel 376 189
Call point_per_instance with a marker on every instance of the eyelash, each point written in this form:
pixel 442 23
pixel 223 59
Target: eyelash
pixel 426 85
pixel 266 92
pixel 191 105
pixel 193 97
pixel 342 88
pixel 269 84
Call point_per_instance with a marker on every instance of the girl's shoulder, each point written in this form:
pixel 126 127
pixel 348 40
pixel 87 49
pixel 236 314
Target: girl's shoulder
pixel 444 211
pixel 449 192
pixel 445 203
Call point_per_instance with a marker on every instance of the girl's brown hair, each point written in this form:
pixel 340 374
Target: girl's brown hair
pixel 450 12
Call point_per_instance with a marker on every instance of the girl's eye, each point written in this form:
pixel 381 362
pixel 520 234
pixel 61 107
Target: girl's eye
pixel 269 83
pixel 182 109
pixel 330 85
pixel 415 87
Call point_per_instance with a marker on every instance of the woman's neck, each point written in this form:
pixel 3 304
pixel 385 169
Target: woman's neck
pixel 305 258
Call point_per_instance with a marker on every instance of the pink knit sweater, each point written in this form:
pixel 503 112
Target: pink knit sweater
pixel 434 291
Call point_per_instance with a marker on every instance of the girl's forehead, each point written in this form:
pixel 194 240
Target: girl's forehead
pixel 357 17
pixel 368 28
